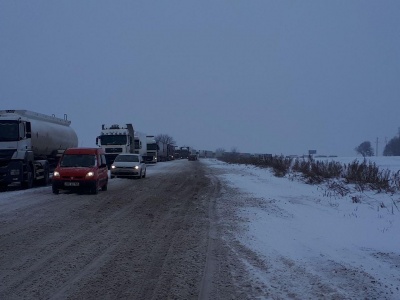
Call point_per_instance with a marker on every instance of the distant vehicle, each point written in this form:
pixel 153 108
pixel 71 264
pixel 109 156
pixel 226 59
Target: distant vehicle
pixel 166 152
pixel 81 169
pixel 192 157
pixel 31 145
pixel 184 152
pixel 177 153
pixel 152 149
pixel 206 154
pixel 128 165
pixel 171 152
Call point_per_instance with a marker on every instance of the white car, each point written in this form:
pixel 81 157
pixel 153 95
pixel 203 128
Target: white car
pixel 128 165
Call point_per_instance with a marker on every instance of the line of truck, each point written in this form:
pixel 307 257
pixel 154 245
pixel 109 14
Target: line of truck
pixel 31 145
pixel 122 138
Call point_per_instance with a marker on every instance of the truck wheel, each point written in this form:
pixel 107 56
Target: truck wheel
pixel 28 182
pixel 55 190
pixel 46 177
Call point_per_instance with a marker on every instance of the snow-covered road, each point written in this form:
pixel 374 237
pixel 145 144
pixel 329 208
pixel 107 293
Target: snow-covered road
pixel 200 230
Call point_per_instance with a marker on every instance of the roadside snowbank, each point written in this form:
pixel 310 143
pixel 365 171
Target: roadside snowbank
pixel 319 231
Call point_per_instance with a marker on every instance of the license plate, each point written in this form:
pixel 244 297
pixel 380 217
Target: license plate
pixel 14 172
pixel 71 183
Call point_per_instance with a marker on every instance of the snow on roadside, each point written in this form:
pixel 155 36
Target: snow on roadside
pixel 301 223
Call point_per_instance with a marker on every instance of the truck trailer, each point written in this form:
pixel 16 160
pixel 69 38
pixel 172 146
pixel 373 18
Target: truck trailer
pixel 166 152
pixel 140 143
pixel 31 145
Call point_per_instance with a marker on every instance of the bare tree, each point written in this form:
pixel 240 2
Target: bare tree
pixel 165 139
pixel 393 147
pixel 365 149
pixel 234 150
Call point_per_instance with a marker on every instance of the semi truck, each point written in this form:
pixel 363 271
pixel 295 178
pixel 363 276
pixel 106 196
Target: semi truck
pixel 152 149
pixel 116 139
pixel 31 144
pixel 140 143
pixel 184 152
pixel 177 153
pixel 171 151
pixel 193 154
pixel 166 152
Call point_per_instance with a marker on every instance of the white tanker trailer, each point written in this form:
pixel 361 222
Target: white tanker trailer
pixel 30 146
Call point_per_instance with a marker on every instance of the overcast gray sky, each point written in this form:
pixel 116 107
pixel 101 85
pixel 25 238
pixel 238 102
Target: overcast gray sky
pixel 263 76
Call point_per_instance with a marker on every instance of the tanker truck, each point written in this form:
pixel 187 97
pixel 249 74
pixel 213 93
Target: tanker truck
pixel 31 145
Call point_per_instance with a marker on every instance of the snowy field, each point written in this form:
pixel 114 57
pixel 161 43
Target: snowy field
pixel 324 234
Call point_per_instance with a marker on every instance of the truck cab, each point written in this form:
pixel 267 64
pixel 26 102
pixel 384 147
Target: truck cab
pixel 152 150
pixel 30 146
pixel 116 139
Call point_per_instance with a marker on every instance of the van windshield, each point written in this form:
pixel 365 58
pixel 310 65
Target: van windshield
pixel 78 160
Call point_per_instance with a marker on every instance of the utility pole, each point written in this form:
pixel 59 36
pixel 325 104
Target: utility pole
pixel 377 141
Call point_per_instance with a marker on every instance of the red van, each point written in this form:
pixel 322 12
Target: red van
pixel 81 169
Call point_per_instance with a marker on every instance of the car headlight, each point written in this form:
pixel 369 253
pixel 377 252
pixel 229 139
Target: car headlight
pixel 136 167
pixel 112 167
pixel 89 174
pixel 56 174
